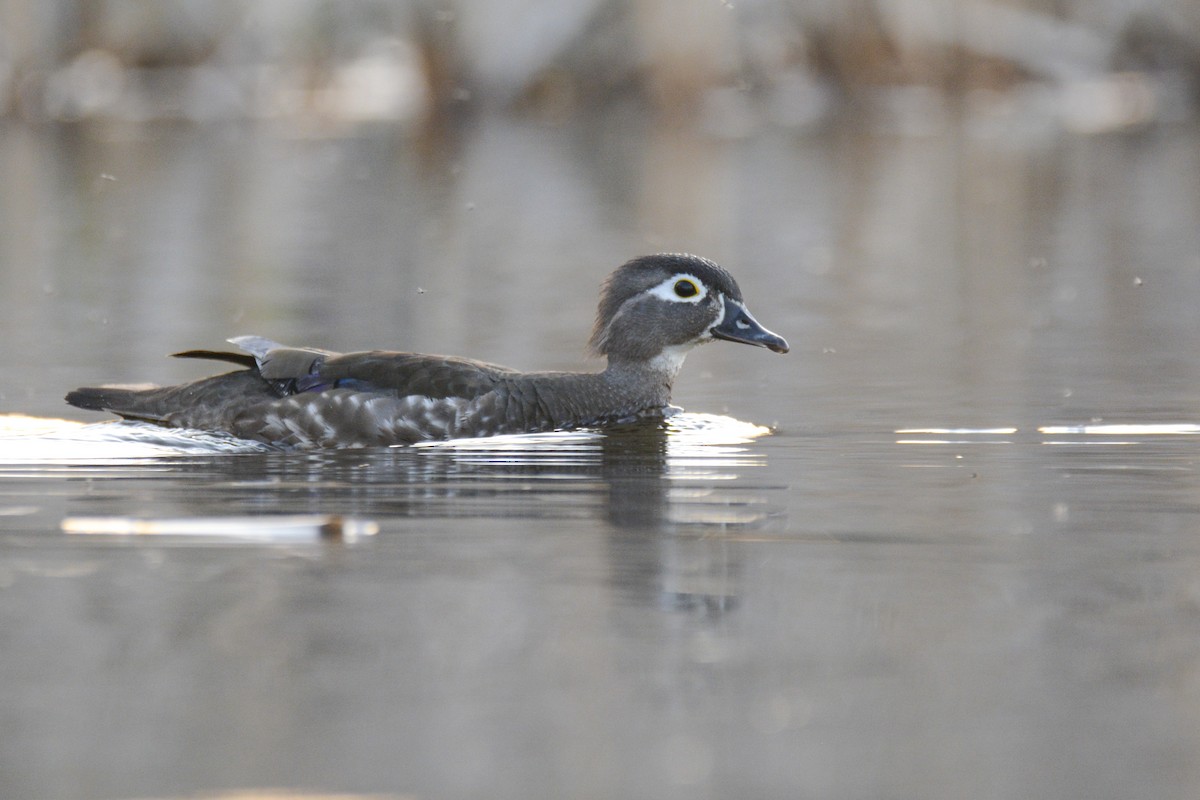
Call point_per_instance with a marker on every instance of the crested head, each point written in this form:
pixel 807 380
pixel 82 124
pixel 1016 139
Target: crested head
pixel 665 304
pixel 646 272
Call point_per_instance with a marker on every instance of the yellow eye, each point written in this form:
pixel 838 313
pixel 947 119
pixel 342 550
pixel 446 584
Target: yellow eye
pixel 686 288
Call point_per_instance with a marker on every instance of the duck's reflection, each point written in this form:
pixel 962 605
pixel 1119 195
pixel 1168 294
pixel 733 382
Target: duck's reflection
pixel 693 567
pixel 670 495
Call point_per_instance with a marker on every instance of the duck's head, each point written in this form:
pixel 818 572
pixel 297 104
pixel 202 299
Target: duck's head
pixel 654 309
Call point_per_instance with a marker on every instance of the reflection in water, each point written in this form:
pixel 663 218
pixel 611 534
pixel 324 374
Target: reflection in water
pixel 687 475
pixel 646 474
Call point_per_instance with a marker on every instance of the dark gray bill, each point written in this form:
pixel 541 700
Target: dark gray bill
pixel 739 325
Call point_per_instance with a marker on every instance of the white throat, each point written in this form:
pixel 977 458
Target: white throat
pixel 671 358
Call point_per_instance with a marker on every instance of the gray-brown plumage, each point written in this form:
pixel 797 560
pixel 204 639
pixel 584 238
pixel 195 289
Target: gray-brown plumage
pixel 652 311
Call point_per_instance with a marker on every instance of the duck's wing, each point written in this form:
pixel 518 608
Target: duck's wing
pixel 368 398
pixel 297 370
pixel 409 374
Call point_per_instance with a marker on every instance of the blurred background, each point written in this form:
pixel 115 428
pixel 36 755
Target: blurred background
pixel 730 66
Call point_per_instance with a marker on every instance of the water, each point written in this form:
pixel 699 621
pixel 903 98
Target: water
pixel 945 548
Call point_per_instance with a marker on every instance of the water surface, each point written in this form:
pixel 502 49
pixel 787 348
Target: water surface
pixel 949 550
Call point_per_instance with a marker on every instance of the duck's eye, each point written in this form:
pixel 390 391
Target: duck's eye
pixel 686 288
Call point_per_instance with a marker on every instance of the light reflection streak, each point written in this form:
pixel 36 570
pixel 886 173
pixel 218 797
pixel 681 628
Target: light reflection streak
pixel 1124 429
pixel 953 441
pixel 958 431
pixel 1080 443
pixel 1103 431
pixel 44 440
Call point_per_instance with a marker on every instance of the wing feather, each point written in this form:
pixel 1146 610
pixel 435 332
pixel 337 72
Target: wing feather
pixel 414 374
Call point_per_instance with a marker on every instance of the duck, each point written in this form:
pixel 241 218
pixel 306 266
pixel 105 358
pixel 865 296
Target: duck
pixel 653 310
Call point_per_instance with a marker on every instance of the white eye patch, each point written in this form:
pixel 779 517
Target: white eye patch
pixel 681 287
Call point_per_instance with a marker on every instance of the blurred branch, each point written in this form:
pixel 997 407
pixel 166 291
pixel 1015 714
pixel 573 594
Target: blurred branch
pixel 358 61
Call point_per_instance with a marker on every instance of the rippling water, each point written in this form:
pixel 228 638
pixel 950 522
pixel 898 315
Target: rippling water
pixel 997 592
pixel 636 473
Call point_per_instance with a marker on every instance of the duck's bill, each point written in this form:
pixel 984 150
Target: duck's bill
pixel 739 325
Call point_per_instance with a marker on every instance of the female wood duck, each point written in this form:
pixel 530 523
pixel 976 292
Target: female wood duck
pixel 652 311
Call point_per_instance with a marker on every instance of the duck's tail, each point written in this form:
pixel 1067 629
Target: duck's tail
pixel 208 404
pixel 130 402
pixel 202 403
